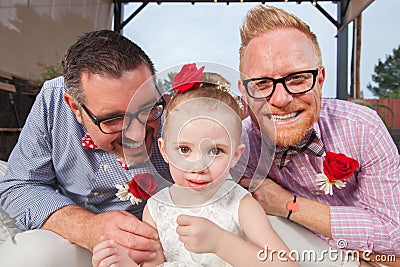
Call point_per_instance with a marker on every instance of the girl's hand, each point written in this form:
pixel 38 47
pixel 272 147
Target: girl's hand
pixel 105 254
pixel 110 254
pixel 199 235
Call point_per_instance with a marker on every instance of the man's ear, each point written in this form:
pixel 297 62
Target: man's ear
pixel 241 88
pixel 321 77
pixel 73 105
pixel 238 153
pixel 243 91
pixel 162 149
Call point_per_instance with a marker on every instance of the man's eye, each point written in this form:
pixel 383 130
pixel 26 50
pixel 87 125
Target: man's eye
pixel 215 151
pixel 114 121
pixel 261 84
pixel 298 78
pixel 184 149
pixel 146 111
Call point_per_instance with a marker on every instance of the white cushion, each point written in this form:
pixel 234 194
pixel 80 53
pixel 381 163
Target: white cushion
pixel 3 168
pixel 7 224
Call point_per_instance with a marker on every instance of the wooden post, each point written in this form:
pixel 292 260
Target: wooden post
pixel 358 55
pixel 352 63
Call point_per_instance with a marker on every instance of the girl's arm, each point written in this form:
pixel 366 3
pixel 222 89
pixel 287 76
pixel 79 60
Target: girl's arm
pixel 200 235
pixel 160 255
pixel 262 237
pixel 259 232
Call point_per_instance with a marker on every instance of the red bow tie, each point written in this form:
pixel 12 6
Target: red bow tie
pixel 141 186
pixel 87 142
pixel 311 144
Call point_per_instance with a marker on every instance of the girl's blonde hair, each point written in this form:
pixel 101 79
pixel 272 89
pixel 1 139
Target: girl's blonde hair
pixel 214 87
pixel 262 19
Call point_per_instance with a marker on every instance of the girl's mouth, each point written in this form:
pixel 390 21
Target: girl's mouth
pixel 197 184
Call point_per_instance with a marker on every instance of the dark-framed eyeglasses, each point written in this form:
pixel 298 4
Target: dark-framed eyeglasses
pixel 121 122
pixel 294 83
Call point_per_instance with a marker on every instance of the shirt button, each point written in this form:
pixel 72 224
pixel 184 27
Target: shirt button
pixel 106 166
pixel 96 194
pixel 303 168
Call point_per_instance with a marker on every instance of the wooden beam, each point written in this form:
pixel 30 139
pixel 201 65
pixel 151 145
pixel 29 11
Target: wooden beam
pixel 7 87
pixel 10 129
pixel 218 1
pixel 6 81
pixel 5 75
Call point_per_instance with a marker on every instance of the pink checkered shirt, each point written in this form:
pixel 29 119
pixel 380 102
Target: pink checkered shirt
pixel 365 213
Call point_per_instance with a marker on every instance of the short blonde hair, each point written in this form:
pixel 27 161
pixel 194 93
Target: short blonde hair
pixel 262 19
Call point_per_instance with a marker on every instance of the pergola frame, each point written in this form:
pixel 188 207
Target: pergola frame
pixel 339 23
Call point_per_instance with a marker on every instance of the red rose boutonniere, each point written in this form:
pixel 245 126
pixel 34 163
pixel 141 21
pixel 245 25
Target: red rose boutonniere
pixel 337 168
pixel 188 77
pixel 142 186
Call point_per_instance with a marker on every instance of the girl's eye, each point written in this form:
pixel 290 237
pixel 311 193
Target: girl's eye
pixel 215 151
pixel 184 149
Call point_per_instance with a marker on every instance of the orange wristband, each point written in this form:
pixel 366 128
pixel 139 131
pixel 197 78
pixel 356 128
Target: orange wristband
pixel 292 206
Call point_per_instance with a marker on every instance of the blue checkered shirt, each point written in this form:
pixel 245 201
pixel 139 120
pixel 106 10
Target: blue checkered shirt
pixel 49 169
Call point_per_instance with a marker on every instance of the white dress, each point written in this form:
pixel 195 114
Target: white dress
pixel 222 209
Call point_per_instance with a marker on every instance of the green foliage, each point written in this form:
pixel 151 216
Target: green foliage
pixel 387 76
pixel 48 73
pixel 166 84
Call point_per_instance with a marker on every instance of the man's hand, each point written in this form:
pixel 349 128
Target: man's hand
pixel 138 238
pixel 271 196
pixel 86 229
pixel 199 235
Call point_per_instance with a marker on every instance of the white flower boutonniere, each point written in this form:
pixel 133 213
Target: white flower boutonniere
pixel 326 185
pixel 124 194
pixel 142 186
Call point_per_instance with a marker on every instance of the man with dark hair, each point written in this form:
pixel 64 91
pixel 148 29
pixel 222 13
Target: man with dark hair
pixel 64 186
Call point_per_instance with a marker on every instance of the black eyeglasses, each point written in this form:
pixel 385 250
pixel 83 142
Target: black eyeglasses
pixel 294 83
pixel 121 122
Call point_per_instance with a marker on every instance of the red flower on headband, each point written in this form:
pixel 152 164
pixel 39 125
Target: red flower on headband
pixel 187 78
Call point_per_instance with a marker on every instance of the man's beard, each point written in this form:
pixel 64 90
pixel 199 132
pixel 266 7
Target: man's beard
pixel 287 135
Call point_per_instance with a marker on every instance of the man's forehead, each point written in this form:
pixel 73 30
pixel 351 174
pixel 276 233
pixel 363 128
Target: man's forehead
pixel 146 95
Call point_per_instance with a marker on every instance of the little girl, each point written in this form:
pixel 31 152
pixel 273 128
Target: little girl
pixel 204 218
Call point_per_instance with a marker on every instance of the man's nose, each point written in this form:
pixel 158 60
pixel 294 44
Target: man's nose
pixel 136 131
pixel 280 98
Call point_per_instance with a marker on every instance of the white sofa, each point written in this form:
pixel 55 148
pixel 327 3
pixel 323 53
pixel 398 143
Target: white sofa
pixel 3 168
pixel 7 225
